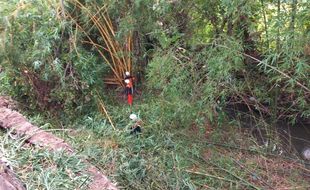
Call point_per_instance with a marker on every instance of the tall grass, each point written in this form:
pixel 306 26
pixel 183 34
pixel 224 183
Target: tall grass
pixel 41 169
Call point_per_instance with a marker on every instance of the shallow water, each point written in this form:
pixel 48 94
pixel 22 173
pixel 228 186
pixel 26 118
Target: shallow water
pixel 295 138
pixel 297 135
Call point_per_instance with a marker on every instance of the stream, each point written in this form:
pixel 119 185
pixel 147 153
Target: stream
pixel 294 138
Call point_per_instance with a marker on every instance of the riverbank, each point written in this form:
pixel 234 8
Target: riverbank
pixel 220 157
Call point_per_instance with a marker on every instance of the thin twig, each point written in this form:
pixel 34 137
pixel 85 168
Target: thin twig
pixel 212 176
pixel 233 174
pixel 252 173
pixel 105 111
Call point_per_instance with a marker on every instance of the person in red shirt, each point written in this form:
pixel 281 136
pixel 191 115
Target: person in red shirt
pixel 129 91
pixel 129 87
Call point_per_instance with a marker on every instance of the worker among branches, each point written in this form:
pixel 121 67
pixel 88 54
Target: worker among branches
pixel 136 127
pixel 128 91
pixel 131 78
pixel 129 87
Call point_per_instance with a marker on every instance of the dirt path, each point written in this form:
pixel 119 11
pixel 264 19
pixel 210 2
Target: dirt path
pixel 12 120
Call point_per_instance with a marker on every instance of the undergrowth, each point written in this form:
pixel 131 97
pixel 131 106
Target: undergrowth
pixel 42 169
pixel 159 158
pixel 183 158
pixel 169 154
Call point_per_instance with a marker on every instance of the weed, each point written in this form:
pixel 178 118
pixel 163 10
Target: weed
pixel 41 169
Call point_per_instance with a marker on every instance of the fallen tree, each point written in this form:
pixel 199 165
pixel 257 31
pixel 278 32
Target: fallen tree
pixel 16 122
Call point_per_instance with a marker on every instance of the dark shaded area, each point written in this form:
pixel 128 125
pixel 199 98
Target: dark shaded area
pixel 295 138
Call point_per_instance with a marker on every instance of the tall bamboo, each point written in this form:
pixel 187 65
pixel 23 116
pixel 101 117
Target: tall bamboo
pixel 117 56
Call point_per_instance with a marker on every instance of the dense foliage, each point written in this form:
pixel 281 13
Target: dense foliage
pixel 194 60
pixel 230 52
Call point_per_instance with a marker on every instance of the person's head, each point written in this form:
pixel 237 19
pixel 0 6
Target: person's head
pixel 133 117
pixel 127 73
pixel 127 81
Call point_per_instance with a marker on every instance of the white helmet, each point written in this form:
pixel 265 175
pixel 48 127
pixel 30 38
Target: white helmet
pixel 127 81
pixel 127 73
pixel 133 117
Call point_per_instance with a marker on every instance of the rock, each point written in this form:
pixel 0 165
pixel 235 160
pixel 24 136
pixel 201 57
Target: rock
pixel 8 180
pixel 7 102
pixel 5 185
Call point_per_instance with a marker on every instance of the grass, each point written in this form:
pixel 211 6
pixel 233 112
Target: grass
pixel 162 157
pixel 181 158
pixel 41 169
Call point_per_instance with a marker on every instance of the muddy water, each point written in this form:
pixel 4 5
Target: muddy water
pixel 295 138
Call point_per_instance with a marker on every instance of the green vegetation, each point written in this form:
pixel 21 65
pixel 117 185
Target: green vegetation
pixel 193 60
pixel 40 169
pixel 158 159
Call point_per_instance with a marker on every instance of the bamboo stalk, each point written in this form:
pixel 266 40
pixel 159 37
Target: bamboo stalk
pixel 91 41
pixel 111 45
pixel 212 176
pixel 129 51
pixel 120 56
pixel 106 39
pixel 102 107
pixel 109 24
pixel 110 27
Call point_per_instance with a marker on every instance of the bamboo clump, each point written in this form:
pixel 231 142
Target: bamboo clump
pixel 116 55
